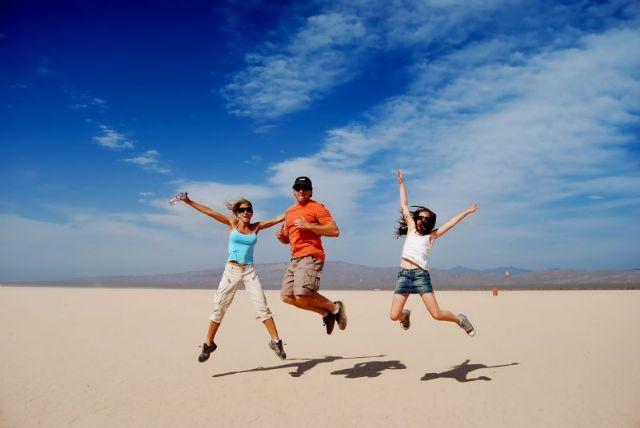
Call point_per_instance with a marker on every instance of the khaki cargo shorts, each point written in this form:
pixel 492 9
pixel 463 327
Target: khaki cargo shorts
pixel 302 277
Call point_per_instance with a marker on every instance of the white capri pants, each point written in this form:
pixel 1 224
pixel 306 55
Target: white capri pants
pixel 231 279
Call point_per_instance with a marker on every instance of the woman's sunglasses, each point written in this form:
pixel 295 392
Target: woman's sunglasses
pixel 244 210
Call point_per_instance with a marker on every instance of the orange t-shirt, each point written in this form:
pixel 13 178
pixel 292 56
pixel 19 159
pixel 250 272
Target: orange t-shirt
pixel 305 242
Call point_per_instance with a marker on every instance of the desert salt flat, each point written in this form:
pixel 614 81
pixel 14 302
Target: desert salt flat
pixel 124 357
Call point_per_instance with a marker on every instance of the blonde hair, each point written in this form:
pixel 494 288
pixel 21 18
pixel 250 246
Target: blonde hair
pixel 234 205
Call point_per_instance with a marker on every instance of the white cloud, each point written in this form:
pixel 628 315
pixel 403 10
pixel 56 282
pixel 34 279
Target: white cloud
pixel 329 49
pixel 149 162
pixel 317 58
pixel 524 141
pixel 96 244
pixel 111 139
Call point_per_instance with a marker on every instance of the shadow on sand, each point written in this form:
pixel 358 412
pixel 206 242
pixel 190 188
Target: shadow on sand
pixel 370 369
pixel 461 371
pixel 300 368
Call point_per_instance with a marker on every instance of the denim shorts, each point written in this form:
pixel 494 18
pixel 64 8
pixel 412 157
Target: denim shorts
pixel 413 281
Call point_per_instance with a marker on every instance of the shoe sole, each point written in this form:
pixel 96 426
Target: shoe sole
pixel 284 357
pixel 202 357
pixel 472 332
pixel 408 315
pixel 344 313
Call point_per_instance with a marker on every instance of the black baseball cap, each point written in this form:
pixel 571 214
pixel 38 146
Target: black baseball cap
pixel 302 183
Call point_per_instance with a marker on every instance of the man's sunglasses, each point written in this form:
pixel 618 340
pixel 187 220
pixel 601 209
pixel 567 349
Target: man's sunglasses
pixel 301 188
pixel 245 210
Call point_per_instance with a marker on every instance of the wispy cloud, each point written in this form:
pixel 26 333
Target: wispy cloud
pixel 288 79
pixel 149 162
pixel 82 100
pixel 111 139
pixel 340 41
pixel 333 46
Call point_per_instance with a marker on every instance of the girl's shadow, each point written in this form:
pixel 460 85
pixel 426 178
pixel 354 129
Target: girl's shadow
pixel 461 371
pixel 300 368
pixel 370 369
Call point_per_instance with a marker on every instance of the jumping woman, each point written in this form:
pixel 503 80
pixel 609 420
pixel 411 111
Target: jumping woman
pixel 243 236
pixel 413 277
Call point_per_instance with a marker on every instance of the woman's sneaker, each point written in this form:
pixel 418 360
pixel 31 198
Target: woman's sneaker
pixel 276 346
pixel 406 321
pixel 466 325
pixel 206 351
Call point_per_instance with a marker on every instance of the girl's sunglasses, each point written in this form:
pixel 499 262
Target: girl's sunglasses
pixel 245 210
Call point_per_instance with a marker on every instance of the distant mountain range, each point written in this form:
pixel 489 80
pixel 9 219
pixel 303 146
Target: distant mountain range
pixel 347 276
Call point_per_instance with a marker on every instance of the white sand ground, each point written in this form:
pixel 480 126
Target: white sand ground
pixel 127 358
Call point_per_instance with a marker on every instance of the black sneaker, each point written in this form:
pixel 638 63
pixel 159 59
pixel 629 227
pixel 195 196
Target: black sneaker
pixel 206 351
pixel 341 316
pixel 406 321
pixel 276 346
pixel 329 321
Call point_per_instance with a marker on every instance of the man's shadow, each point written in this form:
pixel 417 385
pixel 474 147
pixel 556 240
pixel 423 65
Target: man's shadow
pixel 461 371
pixel 370 369
pixel 300 368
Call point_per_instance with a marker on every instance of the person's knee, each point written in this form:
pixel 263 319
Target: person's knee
pixel 303 298
pixel 437 315
pixel 288 299
pixel 217 314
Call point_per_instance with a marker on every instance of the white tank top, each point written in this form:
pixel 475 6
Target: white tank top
pixel 416 248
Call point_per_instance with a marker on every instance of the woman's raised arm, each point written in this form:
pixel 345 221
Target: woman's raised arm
pixel 268 223
pixel 229 221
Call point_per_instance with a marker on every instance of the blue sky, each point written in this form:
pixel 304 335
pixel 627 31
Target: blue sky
pixel 528 108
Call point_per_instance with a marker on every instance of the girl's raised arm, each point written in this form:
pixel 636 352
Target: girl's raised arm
pixel 268 223
pixel 229 221
pixel 404 202
pixel 454 220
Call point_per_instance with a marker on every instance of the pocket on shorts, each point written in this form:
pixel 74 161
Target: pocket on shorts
pixel 312 275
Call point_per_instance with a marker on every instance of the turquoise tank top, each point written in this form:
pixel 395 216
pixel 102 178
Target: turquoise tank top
pixel 241 247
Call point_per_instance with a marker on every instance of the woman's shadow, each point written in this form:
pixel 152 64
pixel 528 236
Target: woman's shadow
pixel 461 371
pixel 370 369
pixel 300 368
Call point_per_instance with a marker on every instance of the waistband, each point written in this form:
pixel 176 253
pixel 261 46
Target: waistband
pixel 238 268
pixel 416 270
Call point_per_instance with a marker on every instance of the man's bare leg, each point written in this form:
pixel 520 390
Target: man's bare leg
pixel 321 304
pixel 293 300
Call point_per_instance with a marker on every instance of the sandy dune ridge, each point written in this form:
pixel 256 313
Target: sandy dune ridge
pixel 118 357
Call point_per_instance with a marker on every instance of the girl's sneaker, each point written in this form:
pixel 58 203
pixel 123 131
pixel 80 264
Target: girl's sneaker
pixel 406 321
pixel 466 325
pixel 276 346
pixel 206 351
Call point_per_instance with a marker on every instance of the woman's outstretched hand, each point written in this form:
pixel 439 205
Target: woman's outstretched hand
pixel 472 208
pixel 400 178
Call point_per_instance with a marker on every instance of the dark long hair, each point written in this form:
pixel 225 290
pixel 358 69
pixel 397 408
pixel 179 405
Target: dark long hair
pixel 402 228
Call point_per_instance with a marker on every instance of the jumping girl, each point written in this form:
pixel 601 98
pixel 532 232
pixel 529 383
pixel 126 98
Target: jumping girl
pixel 243 236
pixel 413 277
